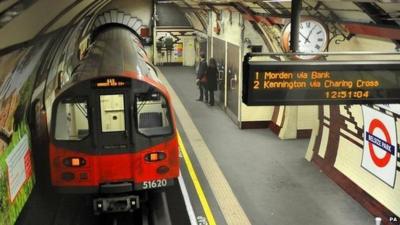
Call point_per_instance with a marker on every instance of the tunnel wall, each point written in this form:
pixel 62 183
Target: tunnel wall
pixel 363 43
pixel 32 20
pixel 142 9
pixel 194 21
pixel 17 176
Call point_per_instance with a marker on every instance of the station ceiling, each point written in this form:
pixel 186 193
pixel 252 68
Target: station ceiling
pixel 383 12
pixel 377 18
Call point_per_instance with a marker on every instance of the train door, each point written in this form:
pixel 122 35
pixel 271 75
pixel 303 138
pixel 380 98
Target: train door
pixel 232 79
pixel 219 50
pixel 112 120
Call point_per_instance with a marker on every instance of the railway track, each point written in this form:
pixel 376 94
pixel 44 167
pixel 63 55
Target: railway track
pixel 54 209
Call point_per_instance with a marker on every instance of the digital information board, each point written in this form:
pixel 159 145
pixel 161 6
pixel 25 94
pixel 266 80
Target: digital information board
pixel 320 82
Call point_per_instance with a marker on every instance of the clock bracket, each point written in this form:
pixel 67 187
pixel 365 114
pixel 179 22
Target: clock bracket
pixel 331 19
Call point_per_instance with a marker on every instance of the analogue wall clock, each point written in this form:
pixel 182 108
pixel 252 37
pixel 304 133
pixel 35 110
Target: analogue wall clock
pixel 313 37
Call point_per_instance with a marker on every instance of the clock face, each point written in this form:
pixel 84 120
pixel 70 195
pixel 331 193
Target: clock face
pixel 313 37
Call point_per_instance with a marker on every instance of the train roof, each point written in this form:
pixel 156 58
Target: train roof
pixel 113 52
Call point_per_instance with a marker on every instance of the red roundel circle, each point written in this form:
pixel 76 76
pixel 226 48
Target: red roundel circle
pixel 380 162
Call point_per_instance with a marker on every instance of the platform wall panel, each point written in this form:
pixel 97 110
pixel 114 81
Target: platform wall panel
pixel 17 177
pixel 338 151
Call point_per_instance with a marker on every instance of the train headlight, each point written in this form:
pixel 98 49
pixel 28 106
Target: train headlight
pixel 155 156
pixel 74 162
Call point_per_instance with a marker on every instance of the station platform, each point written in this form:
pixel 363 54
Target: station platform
pixel 251 176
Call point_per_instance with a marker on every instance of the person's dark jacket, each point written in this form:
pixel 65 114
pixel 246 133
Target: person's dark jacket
pixel 212 73
pixel 202 69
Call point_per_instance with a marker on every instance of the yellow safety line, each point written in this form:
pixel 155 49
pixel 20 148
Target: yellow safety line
pixel 196 182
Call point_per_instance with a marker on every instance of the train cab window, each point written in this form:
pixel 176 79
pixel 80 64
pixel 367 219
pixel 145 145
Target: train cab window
pixel 112 113
pixel 153 114
pixel 72 120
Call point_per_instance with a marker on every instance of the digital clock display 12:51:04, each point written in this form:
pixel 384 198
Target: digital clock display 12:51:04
pixel 346 94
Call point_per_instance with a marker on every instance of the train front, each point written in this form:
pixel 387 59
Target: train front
pixel 112 126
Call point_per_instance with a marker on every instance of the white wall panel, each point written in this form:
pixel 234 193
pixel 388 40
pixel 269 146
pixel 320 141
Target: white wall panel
pixel 348 162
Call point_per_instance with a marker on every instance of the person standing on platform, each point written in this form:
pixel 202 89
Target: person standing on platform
pixel 201 77
pixel 212 72
pixel 169 46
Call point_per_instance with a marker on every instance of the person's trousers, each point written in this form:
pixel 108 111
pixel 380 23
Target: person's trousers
pixel 211 97
pixel 203 92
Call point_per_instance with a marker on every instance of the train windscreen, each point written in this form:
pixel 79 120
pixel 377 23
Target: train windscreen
pixel 153 114
pixel 72 120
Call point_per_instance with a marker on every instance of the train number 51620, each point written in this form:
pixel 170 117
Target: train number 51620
pixel 154 184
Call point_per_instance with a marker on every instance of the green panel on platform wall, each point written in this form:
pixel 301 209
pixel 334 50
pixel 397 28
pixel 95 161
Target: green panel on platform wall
pixel 16 170
pixel 11 208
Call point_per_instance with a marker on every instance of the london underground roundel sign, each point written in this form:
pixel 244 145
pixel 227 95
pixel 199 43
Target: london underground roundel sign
pixel 385 145
pixel 380 145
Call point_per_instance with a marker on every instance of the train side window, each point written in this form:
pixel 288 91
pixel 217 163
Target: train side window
pixel 112 113
pixel 152 71
pixel 72 120
pixel 153 115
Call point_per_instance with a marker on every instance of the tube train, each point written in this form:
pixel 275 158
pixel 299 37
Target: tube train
pixel 110 125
